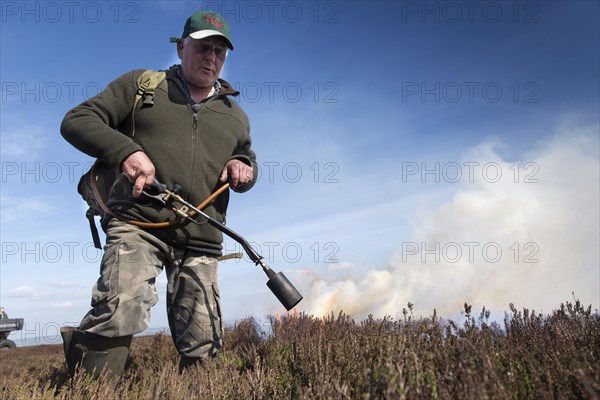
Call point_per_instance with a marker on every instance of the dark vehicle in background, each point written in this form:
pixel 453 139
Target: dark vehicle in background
pixel 8 325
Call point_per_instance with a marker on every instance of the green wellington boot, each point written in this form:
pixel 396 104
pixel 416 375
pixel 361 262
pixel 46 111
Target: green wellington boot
pixel 95 353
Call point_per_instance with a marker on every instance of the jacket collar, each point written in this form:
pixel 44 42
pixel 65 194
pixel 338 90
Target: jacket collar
pixel 222 86
pixel 227 89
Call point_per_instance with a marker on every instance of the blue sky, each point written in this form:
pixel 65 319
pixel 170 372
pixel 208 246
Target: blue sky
pixel 428 152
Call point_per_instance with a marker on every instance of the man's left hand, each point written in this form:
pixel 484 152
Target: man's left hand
pixel 237 173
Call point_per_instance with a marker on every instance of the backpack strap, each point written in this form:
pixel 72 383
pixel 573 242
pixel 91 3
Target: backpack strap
pixel 146 86
pixel 90 214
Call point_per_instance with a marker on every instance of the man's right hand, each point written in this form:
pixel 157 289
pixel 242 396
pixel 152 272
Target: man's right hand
pixel 138 168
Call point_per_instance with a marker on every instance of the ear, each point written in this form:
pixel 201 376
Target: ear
pixel 180 49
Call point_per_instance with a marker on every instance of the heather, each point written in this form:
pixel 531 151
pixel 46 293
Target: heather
pixel 528 355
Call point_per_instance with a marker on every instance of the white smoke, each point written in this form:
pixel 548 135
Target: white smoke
pixel 530 238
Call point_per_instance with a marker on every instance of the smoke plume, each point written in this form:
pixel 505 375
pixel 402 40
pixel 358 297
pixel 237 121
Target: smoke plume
pixel 529 237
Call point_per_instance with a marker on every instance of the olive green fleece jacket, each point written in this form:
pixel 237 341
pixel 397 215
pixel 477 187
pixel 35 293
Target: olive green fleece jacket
pixel 187 147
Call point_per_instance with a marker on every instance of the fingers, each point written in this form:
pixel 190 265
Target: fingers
pixel 237 173
pixel 138 186
pixel 141 182
pixel 139 170
pixel 224 175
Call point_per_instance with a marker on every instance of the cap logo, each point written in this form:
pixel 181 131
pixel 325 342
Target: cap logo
pixel 213 20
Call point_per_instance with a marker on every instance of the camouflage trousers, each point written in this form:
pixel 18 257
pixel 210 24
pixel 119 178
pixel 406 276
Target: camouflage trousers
pixel 125 292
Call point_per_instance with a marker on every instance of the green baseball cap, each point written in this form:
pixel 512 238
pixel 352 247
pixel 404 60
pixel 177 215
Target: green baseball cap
pixel 203 24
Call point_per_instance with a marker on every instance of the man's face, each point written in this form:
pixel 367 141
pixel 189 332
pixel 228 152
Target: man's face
pixel 202 60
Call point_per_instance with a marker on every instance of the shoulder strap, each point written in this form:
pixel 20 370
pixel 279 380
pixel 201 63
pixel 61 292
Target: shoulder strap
pixel 146 86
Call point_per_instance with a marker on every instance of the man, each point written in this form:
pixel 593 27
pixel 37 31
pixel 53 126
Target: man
pixel 191 134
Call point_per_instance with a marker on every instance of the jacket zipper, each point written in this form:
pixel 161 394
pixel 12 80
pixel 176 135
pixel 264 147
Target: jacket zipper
pixel 195 139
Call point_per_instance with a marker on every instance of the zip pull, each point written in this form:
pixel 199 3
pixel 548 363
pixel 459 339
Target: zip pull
pixel 195 121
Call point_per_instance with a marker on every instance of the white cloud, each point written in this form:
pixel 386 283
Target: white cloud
pixel 24 291
pixel 63 305
pixel 530 238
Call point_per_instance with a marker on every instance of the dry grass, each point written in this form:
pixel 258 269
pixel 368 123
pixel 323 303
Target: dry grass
pixel 532 356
